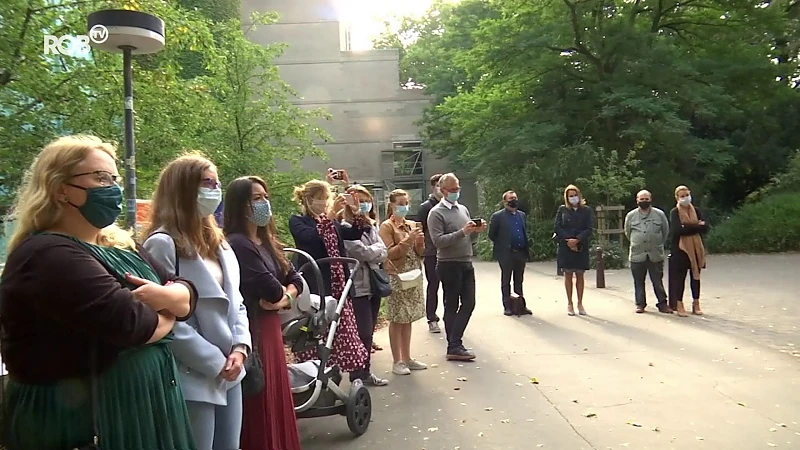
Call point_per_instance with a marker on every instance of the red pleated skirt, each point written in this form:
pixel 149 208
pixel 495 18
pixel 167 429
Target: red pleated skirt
pixel 269 421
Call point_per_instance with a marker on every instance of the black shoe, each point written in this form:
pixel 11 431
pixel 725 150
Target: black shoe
pixel 508 312
pixel 528 312
pixel 460 354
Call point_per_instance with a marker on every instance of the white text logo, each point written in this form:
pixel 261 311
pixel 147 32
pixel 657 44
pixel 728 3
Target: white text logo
pixel 74 45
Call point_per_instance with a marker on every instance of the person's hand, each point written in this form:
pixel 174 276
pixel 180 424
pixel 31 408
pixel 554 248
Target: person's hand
pixel 284 303
pixel 701 223
pixel 483 227
pixel 233 366
pixel 470 228
pixel 339 203
pixel 152 294
pixel 573 243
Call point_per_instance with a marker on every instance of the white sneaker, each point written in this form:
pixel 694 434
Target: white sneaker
pixel 413 364
pixel 401 369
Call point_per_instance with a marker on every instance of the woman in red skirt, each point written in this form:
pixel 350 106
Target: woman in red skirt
pixel 268 284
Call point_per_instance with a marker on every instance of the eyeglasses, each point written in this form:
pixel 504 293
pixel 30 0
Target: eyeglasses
pixel 210 183
pixel 103 177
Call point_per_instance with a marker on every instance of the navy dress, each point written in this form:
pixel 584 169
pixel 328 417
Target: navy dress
pixel 573 224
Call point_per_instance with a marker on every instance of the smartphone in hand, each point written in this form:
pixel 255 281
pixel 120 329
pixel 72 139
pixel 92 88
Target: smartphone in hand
pixel 350 200
pixel 478 222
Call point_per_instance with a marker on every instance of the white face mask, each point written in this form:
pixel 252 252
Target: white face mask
pixel 318 207
pixel 208 200
pixel 685 201
pixel 574 200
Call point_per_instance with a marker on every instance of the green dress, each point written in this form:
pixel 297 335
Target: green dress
pixel 141 406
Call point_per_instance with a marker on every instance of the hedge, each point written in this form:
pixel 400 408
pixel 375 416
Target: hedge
pixel 767 226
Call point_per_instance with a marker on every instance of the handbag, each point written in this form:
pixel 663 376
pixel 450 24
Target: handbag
pixel 379 282
pixel 253 381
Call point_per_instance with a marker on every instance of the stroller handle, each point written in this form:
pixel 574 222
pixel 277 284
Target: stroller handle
pixel 310 262
pixel 341 259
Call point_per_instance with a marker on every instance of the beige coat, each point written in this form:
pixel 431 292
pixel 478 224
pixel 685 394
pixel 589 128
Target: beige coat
pixel 392 235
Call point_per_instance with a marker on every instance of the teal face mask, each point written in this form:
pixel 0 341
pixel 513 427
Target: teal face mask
pixel 401 210
pixel 103 205
pixel 453 197
pixel 366 207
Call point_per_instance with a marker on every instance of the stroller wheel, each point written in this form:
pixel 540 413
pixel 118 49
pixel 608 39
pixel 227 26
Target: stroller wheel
pixel 359 411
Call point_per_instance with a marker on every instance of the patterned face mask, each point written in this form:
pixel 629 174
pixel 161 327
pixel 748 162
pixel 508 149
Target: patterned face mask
pixel 262 213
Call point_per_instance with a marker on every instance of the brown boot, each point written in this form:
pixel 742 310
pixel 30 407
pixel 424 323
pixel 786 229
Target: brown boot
pixel 681 310
pixel 696 308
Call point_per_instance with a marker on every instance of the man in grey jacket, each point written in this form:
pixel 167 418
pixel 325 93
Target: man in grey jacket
pixel 647 230
pixel 453 233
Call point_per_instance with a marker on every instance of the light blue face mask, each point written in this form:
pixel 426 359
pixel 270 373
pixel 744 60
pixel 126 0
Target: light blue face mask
pixel 453 197
pixel 401 210
pixel 366 207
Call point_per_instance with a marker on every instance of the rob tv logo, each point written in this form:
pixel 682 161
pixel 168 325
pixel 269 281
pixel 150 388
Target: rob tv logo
pixel 70 45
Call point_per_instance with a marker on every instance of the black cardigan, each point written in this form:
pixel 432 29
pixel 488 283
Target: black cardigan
pixel 57 300
pixel 677 229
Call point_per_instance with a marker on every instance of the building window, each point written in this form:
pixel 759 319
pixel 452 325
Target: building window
pixel 348 40
pixel 408 164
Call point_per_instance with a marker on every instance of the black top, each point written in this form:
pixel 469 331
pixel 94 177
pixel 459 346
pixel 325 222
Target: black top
pixel 503 228
pixel 57 300
pixel 307 238
pixel 574 224
pixel 261 276
pixel 422 217
pixel 677 229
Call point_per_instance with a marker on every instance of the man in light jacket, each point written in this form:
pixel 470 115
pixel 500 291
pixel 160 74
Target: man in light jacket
pixel 647 230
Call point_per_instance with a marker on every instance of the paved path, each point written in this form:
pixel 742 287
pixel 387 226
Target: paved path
pixel 612 380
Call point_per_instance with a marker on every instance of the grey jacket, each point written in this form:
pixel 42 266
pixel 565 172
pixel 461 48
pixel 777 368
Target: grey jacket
pixel 202 344
pixel 647 234
pixel 370 251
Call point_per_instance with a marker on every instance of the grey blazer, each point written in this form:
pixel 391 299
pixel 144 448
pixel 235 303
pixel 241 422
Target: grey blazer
pixel 202 344
pixel 370 251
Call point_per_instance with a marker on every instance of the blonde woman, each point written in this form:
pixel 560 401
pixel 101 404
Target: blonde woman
pixel 371 252
pixel 688 254
pixel 87 315
pixel 406 244
pixel 573 226
pixel 317 232
pixel 212 346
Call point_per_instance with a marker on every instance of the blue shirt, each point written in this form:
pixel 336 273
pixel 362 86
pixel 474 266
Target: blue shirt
pixel 518 238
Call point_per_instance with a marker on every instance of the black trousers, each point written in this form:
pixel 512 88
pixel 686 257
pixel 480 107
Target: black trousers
pixel 458 285
pixel 366 310
pixel 512 267
pixel 679 266
pixel 432 291
pixel 640 270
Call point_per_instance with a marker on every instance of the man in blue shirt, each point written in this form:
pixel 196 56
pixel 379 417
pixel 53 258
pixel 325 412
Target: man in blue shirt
pixel 508 232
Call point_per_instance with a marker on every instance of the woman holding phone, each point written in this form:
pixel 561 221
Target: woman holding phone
pixel 406 245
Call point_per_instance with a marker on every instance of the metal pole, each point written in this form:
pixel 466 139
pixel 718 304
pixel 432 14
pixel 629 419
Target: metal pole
pixel 601 268
pixel 130 148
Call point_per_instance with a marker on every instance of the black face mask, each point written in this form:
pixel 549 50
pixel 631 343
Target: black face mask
pixel 644 204
pixel 514 203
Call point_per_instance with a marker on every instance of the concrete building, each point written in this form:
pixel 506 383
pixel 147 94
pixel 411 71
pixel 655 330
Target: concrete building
pixel 372 126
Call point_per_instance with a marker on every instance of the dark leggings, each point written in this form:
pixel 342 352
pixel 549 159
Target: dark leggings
pixel 679 266
pixel 366 310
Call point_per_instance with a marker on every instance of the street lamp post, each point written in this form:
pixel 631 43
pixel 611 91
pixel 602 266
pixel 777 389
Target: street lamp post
pixel 130 33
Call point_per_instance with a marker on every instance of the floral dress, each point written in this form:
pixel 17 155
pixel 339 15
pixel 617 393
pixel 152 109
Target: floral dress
pixel 404 305
pixel 349 353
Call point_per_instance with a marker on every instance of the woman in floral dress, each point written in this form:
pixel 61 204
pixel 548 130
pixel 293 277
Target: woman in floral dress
pixel 406 245
pixel 318 233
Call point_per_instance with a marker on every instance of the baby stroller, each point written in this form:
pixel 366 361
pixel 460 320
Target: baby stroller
pixel 312 322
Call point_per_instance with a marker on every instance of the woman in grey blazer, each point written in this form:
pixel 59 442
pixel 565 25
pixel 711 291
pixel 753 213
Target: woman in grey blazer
pixel 212 346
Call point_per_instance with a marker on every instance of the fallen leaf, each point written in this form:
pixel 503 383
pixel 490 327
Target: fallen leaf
pixel 771 444
pixel 574 400
pixel 773 429
pixel 505 421
pixel 518 384
pixel 650 364
pixel 529 420
pixel 534 380
pixel 635 424
pixel 433 366
pixel 741 404
pixel 586 349
pixel 699 438
pixel 656 429
pixel 388 429
pixel 432 429
pixel 461 379
pixel 782 425
pixel 589 414
pixel 488 408
pixel 456 388
pixel 480 434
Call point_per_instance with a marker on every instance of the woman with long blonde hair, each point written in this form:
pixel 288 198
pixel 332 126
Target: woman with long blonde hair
pixel 318 232
pixel 573 227
pixel 406 244
pixel 87 315
pixel 212 346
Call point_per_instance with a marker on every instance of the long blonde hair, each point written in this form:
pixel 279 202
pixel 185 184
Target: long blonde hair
pixel 37 208
pixel 174 208
pixel 572 187
pixel 304 193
